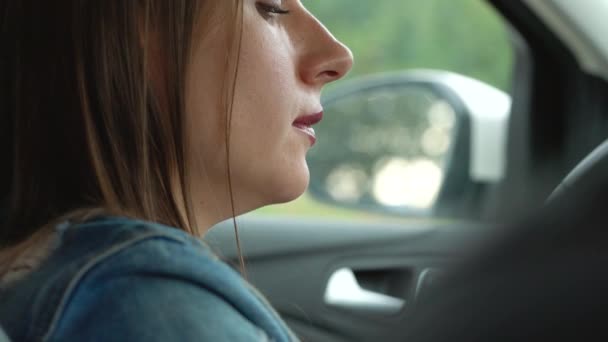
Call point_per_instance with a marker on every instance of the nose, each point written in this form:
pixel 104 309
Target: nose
pixel 324 58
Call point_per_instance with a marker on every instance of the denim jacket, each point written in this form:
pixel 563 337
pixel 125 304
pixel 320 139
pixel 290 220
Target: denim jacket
pixel 117 279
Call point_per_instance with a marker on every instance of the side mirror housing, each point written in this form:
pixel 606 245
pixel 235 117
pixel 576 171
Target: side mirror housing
pixel 414 143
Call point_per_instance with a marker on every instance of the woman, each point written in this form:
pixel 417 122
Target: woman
pixel 124 119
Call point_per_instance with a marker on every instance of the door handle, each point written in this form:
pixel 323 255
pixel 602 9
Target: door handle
pixel 343 291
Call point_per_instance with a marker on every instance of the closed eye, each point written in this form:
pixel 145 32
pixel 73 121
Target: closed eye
pixel 269 10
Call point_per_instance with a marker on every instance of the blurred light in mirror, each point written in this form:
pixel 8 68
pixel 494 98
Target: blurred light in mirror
pixel 437 138
pixel 399 182
pixel 442 115
pixel 435 142
pixel 378 139
pixel 382 104
pixel 346 183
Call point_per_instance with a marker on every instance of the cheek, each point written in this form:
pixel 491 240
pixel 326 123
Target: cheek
pixel 267 152
pixel 204 121
pixel 266 95
pixel 268 155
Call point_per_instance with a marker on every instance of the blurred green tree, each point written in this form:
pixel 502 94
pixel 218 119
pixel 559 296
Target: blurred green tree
pixel 464 36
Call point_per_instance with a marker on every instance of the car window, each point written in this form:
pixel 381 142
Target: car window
pixel 413 146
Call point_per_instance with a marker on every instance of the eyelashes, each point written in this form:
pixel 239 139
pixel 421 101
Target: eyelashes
pixel 269 11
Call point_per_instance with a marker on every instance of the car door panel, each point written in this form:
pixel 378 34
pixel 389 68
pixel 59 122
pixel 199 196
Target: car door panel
pixel 292 262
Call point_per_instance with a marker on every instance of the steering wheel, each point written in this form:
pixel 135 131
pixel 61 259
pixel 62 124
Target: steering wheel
pixel 592 168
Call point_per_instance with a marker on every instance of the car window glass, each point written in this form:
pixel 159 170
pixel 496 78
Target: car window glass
pixel 467 37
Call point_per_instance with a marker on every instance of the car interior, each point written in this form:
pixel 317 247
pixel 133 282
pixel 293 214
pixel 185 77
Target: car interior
pixel 369 279
pixel 557 121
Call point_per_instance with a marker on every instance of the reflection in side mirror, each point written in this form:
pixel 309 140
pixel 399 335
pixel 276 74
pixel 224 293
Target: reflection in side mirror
pixel 392 143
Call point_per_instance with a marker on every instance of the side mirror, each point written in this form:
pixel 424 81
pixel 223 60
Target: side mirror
pixel 415 143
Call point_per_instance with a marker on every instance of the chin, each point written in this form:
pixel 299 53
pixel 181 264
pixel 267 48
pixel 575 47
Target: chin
pixel 291 195
pixel 290 189
pixel 269 186
pixel 288 197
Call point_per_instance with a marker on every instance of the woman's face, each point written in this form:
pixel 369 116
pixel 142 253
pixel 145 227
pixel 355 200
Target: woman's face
pixel 285 60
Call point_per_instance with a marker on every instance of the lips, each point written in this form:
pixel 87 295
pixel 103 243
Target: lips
pixel 309 120
pixel 304 124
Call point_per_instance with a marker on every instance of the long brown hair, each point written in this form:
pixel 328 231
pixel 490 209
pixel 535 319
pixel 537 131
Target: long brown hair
pixel 81 125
